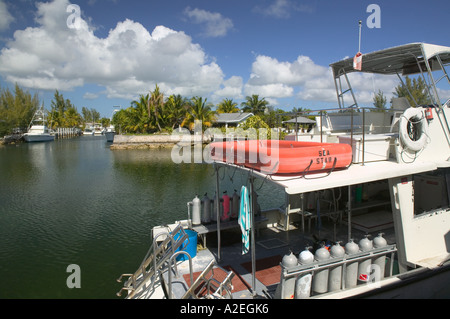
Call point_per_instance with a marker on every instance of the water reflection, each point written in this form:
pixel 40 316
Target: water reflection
pixel 76 201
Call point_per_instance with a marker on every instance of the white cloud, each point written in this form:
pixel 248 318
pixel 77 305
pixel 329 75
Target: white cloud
pixel 5 17
pixel 274 90
pixel 281 9
pixel 308 81
pixel 90 96
pixel 215 24
pixel 232 89
pixel 129 61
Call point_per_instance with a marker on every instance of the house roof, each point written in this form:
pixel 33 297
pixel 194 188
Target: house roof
pixel 232 118
pixel 300 120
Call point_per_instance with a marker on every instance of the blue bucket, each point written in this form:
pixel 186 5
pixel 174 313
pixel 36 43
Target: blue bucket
pixel 189 245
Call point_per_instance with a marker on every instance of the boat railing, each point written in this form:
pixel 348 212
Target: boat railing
pixel 352 122
pixel 317 266
pixel 207 286
pixel 157 256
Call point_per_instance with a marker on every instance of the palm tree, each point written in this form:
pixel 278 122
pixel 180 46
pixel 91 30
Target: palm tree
pixel 227 106
pixel 176 107
pixel 200 111
pixel 254 105
pixel 139 118
pixel 156 104
pixel 72 117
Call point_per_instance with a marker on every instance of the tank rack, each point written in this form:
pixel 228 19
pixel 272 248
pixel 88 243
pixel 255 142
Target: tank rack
pixel 290 276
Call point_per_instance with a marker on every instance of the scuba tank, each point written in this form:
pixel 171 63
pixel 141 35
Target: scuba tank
pixel 206 209
pixel 335 276
pixel 196 204
pixel 364 267
pixel 351 274
pixel 285 290
pixel 320 280
pixel 380 242
pixel 226 207
pixel 304 281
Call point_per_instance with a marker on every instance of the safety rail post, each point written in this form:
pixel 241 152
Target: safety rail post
pixel 169 294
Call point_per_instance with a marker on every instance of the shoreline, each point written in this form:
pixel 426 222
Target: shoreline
pixel 133 142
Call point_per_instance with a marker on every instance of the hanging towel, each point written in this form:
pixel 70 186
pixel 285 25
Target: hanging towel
pixel 244 220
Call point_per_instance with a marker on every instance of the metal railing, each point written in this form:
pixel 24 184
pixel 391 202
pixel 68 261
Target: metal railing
pixel 295 272
pixel 154 261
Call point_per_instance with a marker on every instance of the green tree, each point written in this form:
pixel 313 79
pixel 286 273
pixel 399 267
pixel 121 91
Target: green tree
pixel 156 105
pixel 254 105
pixel 63 113
pixel 16 109
pixel 227 106
pixel 86 115
pixel 72 117
pixel 140 120
pixel 379 101
pixel 417 88
pixel 176 107
pixel 201 111
pixel 256 123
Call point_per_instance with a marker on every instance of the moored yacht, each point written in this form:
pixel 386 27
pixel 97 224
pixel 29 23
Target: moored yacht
pixel 379 227
pixel 38 130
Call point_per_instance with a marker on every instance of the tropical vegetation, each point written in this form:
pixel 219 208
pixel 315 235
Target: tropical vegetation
pixel 415 90
pixel 17 109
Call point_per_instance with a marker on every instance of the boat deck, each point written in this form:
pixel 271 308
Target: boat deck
pixel 272 244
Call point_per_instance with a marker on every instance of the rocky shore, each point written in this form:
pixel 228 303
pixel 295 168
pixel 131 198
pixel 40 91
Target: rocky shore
pixel 126 142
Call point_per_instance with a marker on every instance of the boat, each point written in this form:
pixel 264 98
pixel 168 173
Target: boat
pixel 98 129
pixel 88 130
pixel 283 157
pixel 377 228
pixel 38 130
pixel 110 132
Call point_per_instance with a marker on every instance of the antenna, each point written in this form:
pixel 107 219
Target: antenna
pixel 359 45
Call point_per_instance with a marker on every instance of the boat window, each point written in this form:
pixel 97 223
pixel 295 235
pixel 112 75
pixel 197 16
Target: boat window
pixel 431 192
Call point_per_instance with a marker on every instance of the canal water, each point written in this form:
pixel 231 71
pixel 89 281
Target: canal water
pixel 75 201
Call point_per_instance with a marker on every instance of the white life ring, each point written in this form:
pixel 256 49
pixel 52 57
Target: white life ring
pixel 414 116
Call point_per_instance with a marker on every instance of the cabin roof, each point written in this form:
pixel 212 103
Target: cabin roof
pixel 396 60
pixel 355 174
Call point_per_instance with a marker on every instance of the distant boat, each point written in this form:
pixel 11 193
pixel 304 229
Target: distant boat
pixel 38 130
pixel 98 129
pixel 88 131
pixel 110 132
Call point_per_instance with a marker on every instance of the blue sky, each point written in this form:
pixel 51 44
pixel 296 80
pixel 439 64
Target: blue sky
pixel 115 50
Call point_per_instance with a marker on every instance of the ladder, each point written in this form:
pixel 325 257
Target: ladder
pixel 207 287
pixel 154 261
pixel 341 92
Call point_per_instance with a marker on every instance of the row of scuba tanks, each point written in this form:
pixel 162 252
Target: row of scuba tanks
pixel 330 279
pixel 204 211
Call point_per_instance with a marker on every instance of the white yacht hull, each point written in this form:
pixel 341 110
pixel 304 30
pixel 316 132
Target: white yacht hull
pixel 39 138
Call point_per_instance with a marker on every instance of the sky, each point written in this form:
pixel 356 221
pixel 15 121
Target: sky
pixel 105 53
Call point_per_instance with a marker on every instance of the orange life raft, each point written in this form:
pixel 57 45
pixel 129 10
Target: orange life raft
pixel 283 157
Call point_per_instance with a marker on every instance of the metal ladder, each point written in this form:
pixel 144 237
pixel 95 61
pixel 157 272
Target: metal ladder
pixel 206 281
pixel 154 261
pixel 341 92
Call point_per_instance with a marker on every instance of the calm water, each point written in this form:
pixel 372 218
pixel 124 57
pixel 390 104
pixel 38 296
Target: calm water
pixel 77 202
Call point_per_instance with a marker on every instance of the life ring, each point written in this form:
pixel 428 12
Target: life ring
pixel 413 122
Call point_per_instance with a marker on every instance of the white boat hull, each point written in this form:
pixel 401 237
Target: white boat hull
pixel 110 136
pixel 39 138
